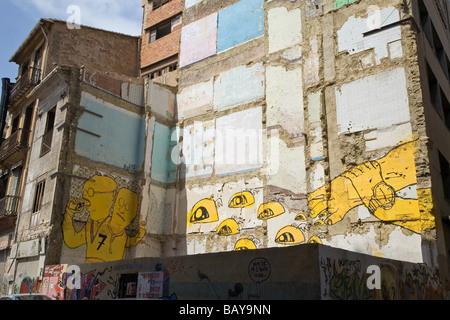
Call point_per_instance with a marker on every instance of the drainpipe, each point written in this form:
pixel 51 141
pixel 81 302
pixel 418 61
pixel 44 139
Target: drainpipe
pixel 44 61
pixel 3 105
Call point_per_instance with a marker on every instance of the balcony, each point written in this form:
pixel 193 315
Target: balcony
pixel 29 79
pixel 15 146
pixel 9 206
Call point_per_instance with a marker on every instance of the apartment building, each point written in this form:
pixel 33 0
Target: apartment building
pixel 161 40
pixel 30 157
pixel 433 51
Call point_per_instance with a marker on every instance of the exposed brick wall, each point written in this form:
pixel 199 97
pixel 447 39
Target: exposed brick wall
pixel 94 48
pixel 162 13
pixel 164 47
pixel 160 49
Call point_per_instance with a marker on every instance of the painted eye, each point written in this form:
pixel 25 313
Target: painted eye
pixel 199 214
pixel 227 227
pixel 319 223
pixel 203 211
pixel 270 210
pixel 314 239
pixel 244 244
pixel 242 200
pixel 289 235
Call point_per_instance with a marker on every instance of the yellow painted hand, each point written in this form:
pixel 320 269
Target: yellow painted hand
pixel 75 205
pixel 331 201
pixel 362 184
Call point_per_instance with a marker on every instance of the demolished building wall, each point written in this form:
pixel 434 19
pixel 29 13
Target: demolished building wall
pixel 313 136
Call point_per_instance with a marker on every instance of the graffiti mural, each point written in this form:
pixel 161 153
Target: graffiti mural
pixel 346 279
pixel 110 212
pixel 243 199
pixel 270 210
pixel 376 185
pixel 289 235
pixel 228 227
pixel 204 211
pixel 384 189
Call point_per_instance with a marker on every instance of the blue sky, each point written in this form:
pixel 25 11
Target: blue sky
pixel 18 18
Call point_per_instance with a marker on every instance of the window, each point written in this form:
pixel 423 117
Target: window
pixel 48 134
pixel 128 285
pixel 160 31
pixel 164 28
pixel 163 71
pixel 446 107
pixel 433 38
pixel 37 203
pixel 435 92
pixel 425 20
pixel 438 98
pixel 24 68
pixel 445 175
pixel 3 185
pixel 159 3
pixel 15 124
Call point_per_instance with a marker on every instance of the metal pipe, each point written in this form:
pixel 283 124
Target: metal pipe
pixel 44 61
pixel 4 104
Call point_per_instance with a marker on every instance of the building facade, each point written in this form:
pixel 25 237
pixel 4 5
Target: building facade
pixel 310 132
pixel 30 158
pixel 310 121
pixel 161 40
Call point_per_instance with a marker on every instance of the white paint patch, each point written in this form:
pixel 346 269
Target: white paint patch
pixel 376 101
pixel 284 97
pixel 352 38
pixel 285 28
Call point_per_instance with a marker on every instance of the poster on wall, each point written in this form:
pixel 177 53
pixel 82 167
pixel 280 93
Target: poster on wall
pixel 52 276
pixel 151 285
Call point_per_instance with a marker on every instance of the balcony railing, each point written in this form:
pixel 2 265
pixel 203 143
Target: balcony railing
pixel 30 78
pixel 9 206
pixel 15 142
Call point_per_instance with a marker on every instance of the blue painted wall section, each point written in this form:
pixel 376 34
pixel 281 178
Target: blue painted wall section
pixel 240 22
pixel 163 168
pixel 121 135
pixel 239 85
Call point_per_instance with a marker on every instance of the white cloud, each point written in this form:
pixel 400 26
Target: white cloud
pixel 124 16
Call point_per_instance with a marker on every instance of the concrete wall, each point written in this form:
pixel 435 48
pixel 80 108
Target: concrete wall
pixel 167 46
pixel 268 274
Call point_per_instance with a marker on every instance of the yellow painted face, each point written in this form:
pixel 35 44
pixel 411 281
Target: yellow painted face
pixel 204 211
pixel 98 195
pixel 270 210
pixel 300 217
pixel 244 244
pixel 243 199
pixel 125 209
pixel 227 227
pixel 289 235
pixel 314 239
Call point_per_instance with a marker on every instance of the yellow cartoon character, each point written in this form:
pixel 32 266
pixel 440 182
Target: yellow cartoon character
pixel 204 211
pixel 103 234
pixel 244 244
pixel 289 235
